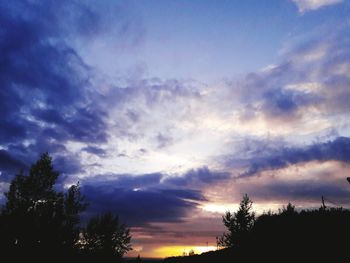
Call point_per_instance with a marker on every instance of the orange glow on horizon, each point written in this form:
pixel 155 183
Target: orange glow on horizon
pixel 170 251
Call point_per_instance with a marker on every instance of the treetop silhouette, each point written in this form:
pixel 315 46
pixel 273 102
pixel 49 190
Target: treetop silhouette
pixel 238 224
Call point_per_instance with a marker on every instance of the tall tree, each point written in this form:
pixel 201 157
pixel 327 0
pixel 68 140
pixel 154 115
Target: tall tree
pixel 104 235
pixel 238 224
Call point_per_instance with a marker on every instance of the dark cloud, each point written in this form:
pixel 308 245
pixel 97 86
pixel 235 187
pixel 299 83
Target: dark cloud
pixel 197 177
pixel 336 193
pixel 46 95
pixel 95 150
pixel 141 206
pixel 16 158
pixel 128 181
pixel 67 164
pixel 309 191
pixel 9 164
pixel 45 82
pixel 149 198
pixel 85 124
pixel 279 157
pixel 191 179
pixel 279 103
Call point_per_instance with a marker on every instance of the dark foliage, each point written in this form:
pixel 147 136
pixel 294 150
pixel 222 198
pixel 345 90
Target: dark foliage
pixel 104 237
pixel 308 235
pixel 39 222
pixel 37 218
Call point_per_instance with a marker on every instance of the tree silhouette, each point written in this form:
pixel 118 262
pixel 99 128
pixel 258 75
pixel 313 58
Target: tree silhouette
pixel 38 221
pixel 105 236
pixel 238 224
pixel 38 218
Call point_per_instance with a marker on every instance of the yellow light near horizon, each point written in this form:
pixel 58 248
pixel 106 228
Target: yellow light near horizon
pixel 203 249
pixel 173 251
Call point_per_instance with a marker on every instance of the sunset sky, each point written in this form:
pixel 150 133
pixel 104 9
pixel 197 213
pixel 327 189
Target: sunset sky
pixel 168 111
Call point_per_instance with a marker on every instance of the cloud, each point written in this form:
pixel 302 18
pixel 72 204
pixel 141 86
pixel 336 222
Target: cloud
pixel 285 104
pixel 95 150
pixel 9 165
pixel 197 177
pixel 67 163
pixel 49 96
pixel 128 181
pixel 163 140
pixel 276 155
pixel 140 206
pixel 310 5
pixel 156 197
pixel 45 82
pixel 306 191
pixel 150 108
pixel 307 90
pixel 301 183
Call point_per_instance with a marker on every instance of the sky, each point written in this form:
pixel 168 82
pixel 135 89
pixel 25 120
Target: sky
pixel 167 112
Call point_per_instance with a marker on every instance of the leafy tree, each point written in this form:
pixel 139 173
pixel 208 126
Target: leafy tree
pixel 38 217
pixel 105 236
pixel 238 224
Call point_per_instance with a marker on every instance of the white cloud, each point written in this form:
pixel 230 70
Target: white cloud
pixel 309 5
pixel 302 97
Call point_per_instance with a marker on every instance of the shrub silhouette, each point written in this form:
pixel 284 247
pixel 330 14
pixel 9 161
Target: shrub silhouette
pixel 191 252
